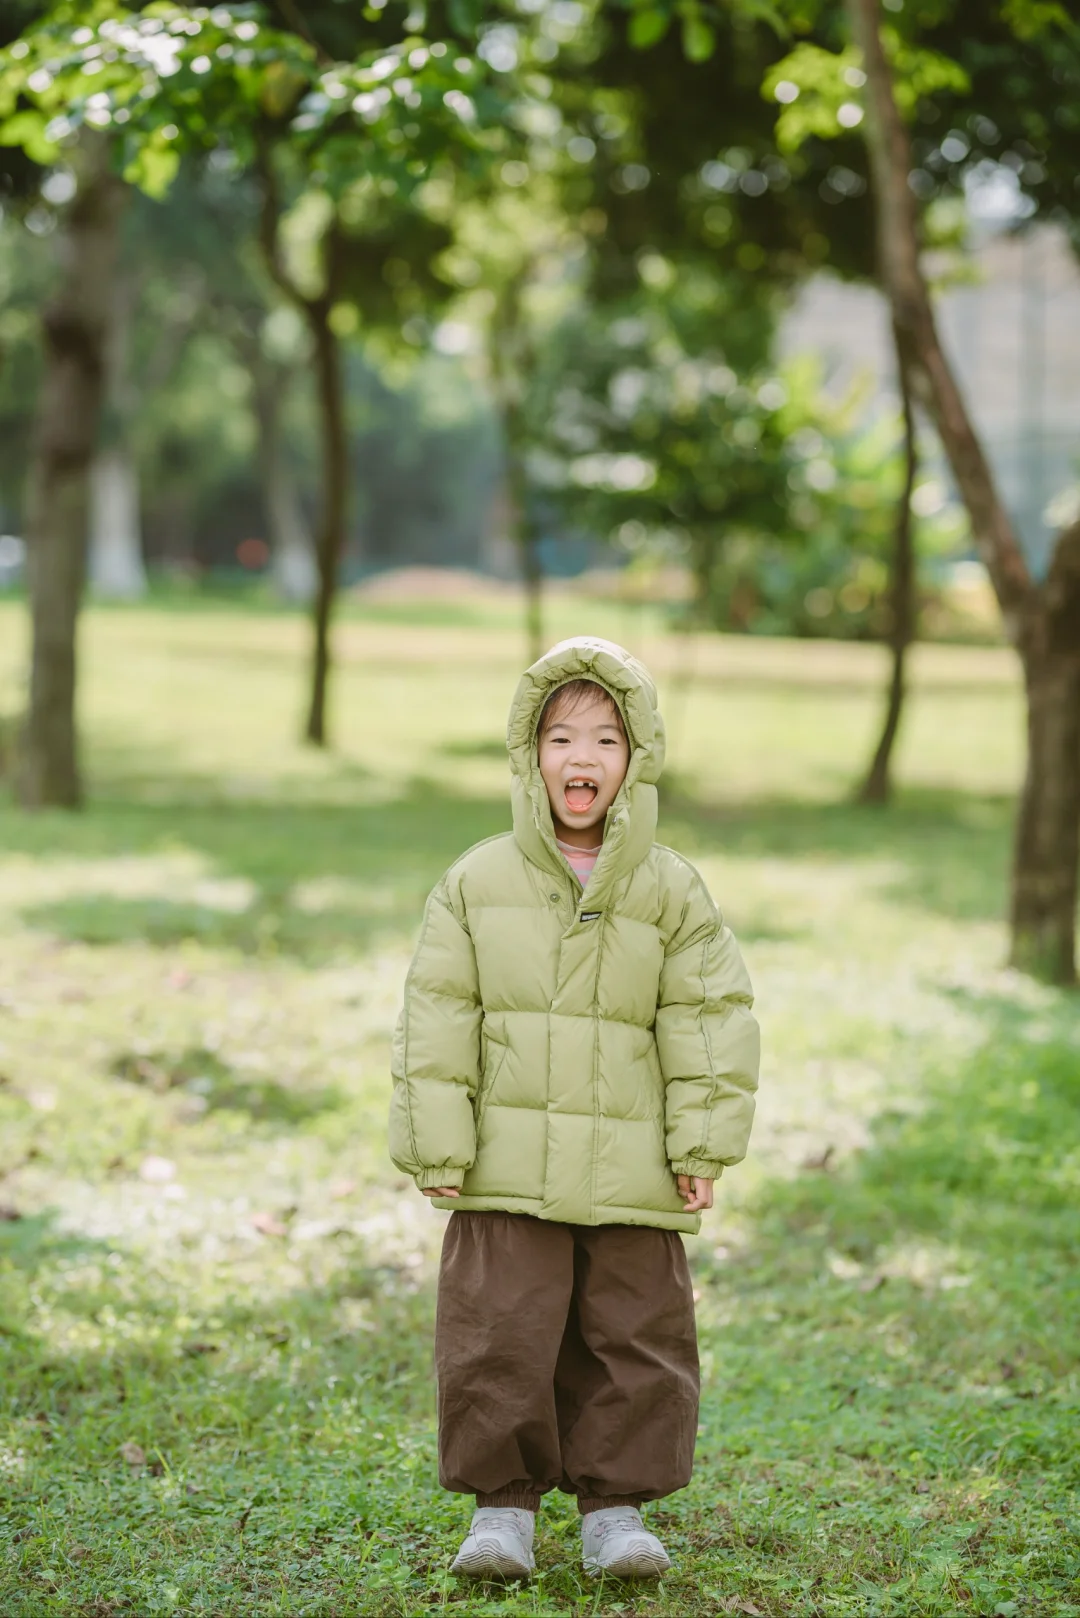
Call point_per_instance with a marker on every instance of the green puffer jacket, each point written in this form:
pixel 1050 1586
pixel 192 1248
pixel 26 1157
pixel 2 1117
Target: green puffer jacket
pixel 566 1052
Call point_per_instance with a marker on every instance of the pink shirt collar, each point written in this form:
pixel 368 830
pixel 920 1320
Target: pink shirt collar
pixel 580 860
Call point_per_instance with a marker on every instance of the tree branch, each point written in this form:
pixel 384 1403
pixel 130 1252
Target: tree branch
pixel 270 221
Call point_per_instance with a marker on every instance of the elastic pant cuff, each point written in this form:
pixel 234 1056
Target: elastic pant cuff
pixel 514 1495
pixel 600 1502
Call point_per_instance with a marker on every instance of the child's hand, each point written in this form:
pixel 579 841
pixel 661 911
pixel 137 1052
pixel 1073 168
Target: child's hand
pixel 452 1191
pixel 697 1191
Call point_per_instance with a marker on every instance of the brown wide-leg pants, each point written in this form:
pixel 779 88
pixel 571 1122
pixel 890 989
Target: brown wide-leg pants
pixel 566 1358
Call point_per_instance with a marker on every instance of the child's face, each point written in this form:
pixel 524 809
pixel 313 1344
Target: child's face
pixel 583 759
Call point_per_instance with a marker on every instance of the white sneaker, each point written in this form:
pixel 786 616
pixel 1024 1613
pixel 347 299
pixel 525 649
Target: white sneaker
pixel 616 1541
pixel 499 1544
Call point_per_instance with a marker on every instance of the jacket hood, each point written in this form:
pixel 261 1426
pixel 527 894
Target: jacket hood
pixel 630 825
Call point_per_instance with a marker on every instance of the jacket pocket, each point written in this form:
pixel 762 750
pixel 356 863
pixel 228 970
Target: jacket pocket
pixel 493 1057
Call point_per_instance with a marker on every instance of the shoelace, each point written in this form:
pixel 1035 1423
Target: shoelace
pixel 504 1523
pixel 627 1523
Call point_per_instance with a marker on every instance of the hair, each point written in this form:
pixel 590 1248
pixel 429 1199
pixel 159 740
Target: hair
pixel 566 699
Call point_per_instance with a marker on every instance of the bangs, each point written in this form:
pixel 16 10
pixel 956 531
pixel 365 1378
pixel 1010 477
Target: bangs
pixel 567 699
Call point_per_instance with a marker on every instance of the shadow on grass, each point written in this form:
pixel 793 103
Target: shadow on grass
pixel 486 747
pixel 951 851
pixel 270 926
pixel 986 1171
pixel 212 1085
pixel 953 847
pixel 30 1241
pixel 376 864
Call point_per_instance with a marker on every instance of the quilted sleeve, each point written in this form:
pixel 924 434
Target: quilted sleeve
pixel 436 1056
pixel 708 1042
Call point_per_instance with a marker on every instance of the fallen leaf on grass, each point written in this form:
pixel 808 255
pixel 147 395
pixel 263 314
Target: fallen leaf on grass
pixel 133 1453
pixel 78 1553
pixel 8 1214
pixel 267 1224
pixel 736 1604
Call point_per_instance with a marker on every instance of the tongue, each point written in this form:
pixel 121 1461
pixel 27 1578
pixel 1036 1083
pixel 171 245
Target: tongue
pixel 579 798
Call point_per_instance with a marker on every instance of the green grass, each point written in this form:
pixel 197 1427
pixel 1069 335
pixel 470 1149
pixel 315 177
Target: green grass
pixel 213 1261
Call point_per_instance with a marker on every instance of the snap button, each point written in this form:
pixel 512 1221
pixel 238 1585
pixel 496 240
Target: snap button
pixel 554 897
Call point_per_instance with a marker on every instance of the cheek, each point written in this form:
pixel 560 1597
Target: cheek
pixel 619 768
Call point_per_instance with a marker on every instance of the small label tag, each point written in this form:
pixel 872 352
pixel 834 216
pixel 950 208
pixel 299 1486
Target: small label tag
pixel 589 915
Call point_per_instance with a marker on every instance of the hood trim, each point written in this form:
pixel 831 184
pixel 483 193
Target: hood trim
pixel 630 824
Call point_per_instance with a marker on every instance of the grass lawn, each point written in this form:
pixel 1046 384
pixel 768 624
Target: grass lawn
pixel 216 1293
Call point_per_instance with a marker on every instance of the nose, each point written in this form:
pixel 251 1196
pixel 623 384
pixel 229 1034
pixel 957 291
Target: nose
pixel 584 755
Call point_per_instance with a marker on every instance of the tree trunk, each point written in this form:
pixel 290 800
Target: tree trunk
pixel 116 558
pixel 534 593
pixel 929 373
pixel 292 551
pixel 1043 619
pixel 532 572
pixel 1047 849
pixel 877 788
pixel 330 389
pixel 330 545
pixel 701 572
pixel 510 359
pixel 1048 828
pixel 75 329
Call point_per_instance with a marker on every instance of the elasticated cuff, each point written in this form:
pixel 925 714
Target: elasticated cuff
pixel 601 1502
pixel 706 1167
pixel 515 1495
pixel 431 1179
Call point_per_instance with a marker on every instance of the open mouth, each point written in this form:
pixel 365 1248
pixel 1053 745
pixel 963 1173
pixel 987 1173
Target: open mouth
pixel 580 794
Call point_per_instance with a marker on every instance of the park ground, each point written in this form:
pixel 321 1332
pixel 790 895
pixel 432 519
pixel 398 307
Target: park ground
pixel 215 1369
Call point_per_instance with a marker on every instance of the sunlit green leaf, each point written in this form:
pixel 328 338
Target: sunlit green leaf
pixel 27 129
pixel 648 26
pixel 699 40
pixel 153 168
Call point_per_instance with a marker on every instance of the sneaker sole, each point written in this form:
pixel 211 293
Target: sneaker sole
pixel 641 1564
pixel 487 1564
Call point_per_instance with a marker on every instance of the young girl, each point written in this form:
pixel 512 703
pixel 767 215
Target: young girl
pixel 574 1066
